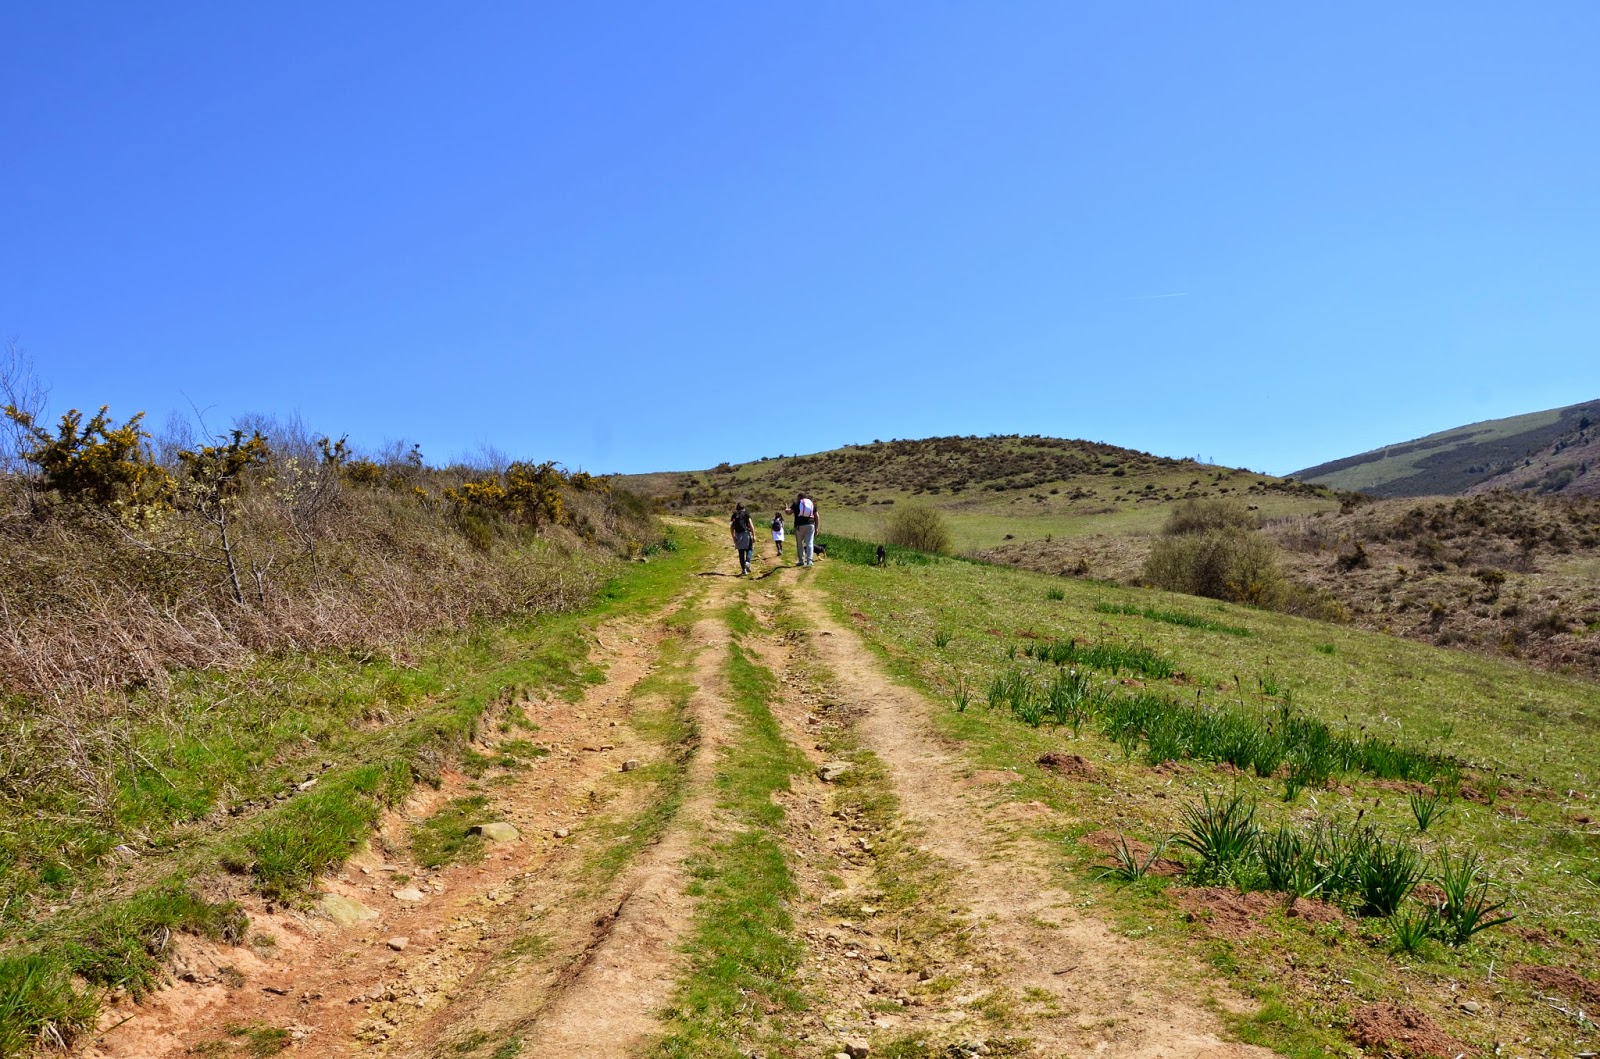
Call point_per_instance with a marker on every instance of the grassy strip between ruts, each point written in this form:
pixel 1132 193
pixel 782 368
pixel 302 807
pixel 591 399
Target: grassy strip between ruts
pixel 305 772
pixel 743 955
pixel 1311 976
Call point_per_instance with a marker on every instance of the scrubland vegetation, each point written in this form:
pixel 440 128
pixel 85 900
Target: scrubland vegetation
pixel 232 652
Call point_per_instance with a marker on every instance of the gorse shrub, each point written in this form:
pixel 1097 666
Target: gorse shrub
pixel 919 528
pixel 97 464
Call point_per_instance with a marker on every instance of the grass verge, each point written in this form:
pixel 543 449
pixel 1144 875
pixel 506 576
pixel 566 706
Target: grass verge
pixel 278 773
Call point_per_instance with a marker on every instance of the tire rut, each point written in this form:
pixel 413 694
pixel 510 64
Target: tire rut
pixel 1105 998
pixel 609 1009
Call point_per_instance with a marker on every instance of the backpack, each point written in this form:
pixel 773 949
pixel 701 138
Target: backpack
pixel 806 509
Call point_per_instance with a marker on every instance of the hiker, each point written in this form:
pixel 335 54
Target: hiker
pixel 883 556
pixel 743 531
pixel 777 531
pixel 804 510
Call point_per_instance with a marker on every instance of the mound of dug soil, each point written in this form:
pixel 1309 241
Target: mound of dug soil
pixel 1231 914
pixel 1560 980
pixel 1066 764
pixel 1390 1028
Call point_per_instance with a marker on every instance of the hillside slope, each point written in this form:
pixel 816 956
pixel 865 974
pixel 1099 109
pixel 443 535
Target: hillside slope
pixel 1504 574
pixel 1557 450
pixel 990 489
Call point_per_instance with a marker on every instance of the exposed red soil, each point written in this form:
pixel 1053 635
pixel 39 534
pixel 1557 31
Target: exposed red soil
pixel 1231 914
pixel 1392 1029
pixel 1559 980
pixel 1107 842
pixel 1066 764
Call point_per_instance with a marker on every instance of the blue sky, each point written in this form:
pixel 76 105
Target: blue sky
pixel 649 236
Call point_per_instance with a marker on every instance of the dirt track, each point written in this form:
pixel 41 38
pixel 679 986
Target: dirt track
pixel 538 944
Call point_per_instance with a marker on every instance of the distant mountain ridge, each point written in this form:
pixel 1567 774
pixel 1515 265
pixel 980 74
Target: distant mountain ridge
pixel 1554 451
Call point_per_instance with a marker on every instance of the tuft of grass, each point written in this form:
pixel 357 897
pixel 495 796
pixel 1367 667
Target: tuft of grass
pixel 119 945
pixel 1411 928
pixel 446 836
pixel 1129 866
pixel 1426 809
pixel 1222 834
pixel 1115 657
pixel 318 830
pixel 941 639
pixel 260 1041
pixel 1466 909
pixel 38 1005
pixel 1171 617
pixel 1387 872
pixel 865 553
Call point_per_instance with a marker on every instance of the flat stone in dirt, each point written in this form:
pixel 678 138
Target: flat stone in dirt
pixel 630 764
pixel 345 911
pixel 857 1049
pixel 497 832
pixel 398 944
pixel 830 771
pixel 409 893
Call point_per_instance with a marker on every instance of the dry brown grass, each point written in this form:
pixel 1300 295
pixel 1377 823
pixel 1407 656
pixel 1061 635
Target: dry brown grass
pixel 99 615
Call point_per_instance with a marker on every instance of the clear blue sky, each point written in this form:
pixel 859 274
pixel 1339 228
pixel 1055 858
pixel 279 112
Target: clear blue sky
pixel 647 236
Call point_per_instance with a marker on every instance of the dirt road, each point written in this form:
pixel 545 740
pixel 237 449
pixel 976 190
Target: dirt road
pixel 927 916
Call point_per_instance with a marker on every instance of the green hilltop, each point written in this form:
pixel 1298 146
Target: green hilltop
pixel 991 489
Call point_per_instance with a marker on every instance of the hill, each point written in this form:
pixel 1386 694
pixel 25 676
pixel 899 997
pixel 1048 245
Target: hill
pixel 1501 573
pixel 1557 450
pixel 991 489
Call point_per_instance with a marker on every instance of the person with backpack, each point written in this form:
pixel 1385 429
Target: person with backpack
pixel 743 531
pixel 806 521
pixel 777 531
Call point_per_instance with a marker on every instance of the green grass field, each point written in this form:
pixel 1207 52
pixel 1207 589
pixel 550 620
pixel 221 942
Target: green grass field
pixel 1527 785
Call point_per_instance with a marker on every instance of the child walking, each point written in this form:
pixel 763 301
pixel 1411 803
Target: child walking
pixel 777 531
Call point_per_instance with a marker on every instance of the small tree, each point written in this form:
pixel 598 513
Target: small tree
pixel 212 478
pixel 920 528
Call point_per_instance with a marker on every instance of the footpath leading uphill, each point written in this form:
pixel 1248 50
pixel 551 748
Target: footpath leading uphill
pixel 745 840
